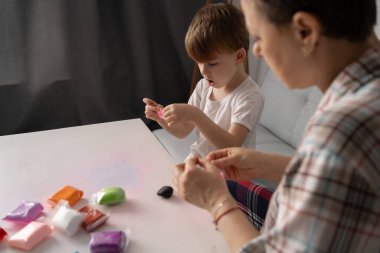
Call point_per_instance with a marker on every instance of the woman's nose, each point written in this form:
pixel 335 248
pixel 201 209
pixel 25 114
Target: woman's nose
pixel 256 50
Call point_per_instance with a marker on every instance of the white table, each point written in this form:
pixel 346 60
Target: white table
pixel 33 166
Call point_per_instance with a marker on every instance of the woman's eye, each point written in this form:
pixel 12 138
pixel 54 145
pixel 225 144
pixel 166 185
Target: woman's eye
pixel 212 63
pixel 254 39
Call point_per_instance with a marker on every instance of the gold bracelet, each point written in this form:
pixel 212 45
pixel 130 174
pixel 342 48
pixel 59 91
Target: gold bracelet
pixel 220 205
pixel 217 219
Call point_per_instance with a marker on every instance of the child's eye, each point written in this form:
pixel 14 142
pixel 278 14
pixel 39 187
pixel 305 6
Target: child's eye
pixel 212 63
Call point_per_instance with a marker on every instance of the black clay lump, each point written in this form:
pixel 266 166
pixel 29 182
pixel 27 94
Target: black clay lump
pixel 165 192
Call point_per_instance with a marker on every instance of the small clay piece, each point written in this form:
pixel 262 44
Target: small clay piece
pixel 165 192
pixel 3 234
pixel 68 193
pixel 110 196
pixel 108 241
pixel 67 219
pixel 26 212
pixel 30 236
pixel 93 218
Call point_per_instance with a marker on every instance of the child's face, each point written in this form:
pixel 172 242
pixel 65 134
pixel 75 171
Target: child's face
pixel 221 69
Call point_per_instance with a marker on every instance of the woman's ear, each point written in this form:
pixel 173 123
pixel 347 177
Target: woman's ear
pixel 307 30
pixel 241 55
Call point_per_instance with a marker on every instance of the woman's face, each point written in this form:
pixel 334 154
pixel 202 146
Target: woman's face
pixel 278 46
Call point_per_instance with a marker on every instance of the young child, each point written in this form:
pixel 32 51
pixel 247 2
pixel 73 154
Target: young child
pixel 226 104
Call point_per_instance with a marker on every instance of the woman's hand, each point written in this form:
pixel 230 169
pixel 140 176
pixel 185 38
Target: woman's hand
pixel 200 183
pixel 245 164
pixel 236 163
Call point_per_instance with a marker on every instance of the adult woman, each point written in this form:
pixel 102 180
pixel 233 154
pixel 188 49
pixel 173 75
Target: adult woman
pixel 328 199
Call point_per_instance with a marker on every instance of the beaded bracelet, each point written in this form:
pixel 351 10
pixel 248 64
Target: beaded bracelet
pixel 217 219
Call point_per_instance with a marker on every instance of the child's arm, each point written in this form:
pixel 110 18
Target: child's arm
pixel 220 138
pixel 179 130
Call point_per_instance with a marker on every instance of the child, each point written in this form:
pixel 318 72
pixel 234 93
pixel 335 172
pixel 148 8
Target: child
pixel 226 104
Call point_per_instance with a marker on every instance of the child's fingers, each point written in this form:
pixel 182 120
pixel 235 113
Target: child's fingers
pixel 150 102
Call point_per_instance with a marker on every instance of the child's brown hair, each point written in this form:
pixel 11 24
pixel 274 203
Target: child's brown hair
pixel 216 28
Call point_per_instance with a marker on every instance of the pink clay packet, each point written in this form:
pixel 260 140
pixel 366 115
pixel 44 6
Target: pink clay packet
pixel 30 236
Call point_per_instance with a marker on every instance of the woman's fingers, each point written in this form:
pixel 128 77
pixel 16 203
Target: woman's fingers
pixel 180 174
pixel 218 154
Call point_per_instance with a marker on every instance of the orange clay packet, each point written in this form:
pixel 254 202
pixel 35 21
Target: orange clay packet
pixel 68 193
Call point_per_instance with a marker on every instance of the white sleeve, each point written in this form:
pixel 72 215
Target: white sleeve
pixel 247 108
pixel 196 96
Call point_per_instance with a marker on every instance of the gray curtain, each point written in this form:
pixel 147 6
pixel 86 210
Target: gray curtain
pixel 73 62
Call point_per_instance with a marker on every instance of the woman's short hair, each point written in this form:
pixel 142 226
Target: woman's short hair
pixel 341 19
pixel 216 28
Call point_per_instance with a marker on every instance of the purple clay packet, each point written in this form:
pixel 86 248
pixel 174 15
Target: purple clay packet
pixel 26 212
pixel 108 241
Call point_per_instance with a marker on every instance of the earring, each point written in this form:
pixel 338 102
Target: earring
pixel 307 49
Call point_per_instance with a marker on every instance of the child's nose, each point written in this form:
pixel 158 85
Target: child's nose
pixel 203 69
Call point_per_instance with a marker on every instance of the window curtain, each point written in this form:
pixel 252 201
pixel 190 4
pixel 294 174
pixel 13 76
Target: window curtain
pixel 74 62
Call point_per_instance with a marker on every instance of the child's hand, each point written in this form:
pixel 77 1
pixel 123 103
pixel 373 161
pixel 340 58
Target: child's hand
pixel 179 113
pixel 152 109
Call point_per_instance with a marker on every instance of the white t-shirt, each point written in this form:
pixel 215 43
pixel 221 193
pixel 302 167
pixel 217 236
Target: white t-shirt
pixel 242 106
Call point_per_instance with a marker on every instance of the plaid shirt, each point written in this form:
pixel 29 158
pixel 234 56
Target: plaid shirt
pixel 329 197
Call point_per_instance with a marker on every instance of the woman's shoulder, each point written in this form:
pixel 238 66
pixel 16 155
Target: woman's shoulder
pixel 345 127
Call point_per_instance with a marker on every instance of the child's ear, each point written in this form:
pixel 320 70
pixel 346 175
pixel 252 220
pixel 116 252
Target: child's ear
pixel 240 56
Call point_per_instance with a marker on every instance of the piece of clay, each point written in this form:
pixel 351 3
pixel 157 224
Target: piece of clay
pixel 67 219
pixel 110 196
pixel 160 113
pixel 3 234
pixel 93 218
pixel 26 212
pixel 68 193
pixel 165 191
pixel 108 241
pixel 30 236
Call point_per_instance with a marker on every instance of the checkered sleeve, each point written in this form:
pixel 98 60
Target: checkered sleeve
pixel 329 197
pixel 253 198
pixel 326 202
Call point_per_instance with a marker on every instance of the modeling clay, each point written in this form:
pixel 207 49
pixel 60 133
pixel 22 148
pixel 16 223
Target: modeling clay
pixel 67 219
pixel 30 236
pixel 160 113
pixel 26 212
pixel 110 196
pixel 69 193
pixel 3 234
pixel 165 191
pixel 108 241
pixel 93 218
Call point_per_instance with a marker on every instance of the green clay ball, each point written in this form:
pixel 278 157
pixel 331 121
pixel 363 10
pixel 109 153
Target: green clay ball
pixel 111 196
